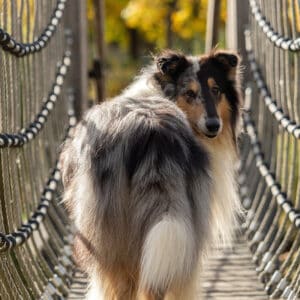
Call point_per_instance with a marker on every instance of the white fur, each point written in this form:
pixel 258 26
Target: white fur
pixel 95 290
pixel 142 87
pixel 168 253
pixel 84 209
pixel 225 200
pixel 195 61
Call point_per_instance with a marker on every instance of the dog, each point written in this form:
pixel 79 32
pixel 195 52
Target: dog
pixel 149 178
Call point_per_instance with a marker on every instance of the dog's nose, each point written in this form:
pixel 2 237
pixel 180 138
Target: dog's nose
pixel 212 124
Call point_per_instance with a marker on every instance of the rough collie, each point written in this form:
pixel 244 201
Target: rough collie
pixel 149 178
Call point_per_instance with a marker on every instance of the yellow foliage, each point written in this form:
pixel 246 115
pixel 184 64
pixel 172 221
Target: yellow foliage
pixel 148 16
pixel 188 17
pixel 115 28
pixel 90 10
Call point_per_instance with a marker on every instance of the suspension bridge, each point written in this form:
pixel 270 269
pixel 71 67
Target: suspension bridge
pixel 43 85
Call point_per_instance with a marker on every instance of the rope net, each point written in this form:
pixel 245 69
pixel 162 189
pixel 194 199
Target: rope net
pixel 270 168
pixel 36 114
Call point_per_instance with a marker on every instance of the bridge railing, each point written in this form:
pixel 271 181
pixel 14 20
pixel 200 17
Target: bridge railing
pixel 270 169
pixel 42 82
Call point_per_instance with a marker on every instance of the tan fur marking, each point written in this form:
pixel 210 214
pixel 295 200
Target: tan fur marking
pixel 224 139
pixel 211 82
pixel 194 86
pixel 224 110
pixel 193 111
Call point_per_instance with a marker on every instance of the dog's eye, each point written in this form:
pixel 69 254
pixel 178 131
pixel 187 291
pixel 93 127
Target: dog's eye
pixel 191 94
pixel 215 90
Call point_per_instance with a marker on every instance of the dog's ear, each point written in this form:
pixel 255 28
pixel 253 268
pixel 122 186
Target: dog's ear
pixel 230 62
pixel 171 63
pixel 228 58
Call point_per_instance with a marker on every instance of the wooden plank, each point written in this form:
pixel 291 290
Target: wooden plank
pixel 229 275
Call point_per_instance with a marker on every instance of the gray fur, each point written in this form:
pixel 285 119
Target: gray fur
pixel 133 160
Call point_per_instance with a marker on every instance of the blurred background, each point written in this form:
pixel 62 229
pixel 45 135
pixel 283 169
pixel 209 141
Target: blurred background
pixel 135 29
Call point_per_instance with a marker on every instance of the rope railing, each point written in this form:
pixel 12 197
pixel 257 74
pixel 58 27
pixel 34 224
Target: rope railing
pixel 270 156
pixel 270 180
pixel 31 131
pixel 20 49
pixel 291 126
pixel 35 236
pixel 277 39
pixel 18 237
pixel 282 281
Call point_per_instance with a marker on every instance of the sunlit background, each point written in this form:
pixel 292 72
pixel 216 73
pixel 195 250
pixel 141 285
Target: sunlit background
pixel 134 29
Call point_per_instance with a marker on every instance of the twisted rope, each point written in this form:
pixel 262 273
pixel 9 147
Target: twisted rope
pixel 18 237
pixel 20 49
pixel 31 131
pixel 277 39
pixel 273 185
pixel 284 120
pixel 268 265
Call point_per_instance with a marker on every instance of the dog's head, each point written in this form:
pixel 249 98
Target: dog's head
pixel 204 87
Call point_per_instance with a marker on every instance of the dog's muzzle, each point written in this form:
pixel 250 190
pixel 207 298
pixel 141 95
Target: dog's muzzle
pixel 212 127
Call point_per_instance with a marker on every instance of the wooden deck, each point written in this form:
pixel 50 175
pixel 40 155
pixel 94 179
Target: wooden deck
pixel 229 275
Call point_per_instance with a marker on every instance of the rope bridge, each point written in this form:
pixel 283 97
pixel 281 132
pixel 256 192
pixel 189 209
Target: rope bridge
pixel 39 104
pixel 38 96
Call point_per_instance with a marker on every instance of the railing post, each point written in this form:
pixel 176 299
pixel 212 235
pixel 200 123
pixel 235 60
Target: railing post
pixel 213 20
pixel 100 47
pixel 237 18
pixel 79 71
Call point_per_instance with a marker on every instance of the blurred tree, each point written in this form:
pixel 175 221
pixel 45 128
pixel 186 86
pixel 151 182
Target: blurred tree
pixel 116 30
pixel 134 28
pixel 160 20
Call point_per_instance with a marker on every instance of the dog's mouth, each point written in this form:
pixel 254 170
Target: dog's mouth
pixel 202 131
pixel 211 135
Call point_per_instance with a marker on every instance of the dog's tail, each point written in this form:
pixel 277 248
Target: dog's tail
pixel 169 200
pixel 168 255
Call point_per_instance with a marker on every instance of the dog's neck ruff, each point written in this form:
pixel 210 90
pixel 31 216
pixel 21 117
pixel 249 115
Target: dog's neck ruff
pixel 143 86
pixel 225 200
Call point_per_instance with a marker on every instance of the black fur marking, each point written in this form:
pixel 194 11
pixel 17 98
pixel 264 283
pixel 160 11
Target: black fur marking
pixel 156 145
pixel 172 63
pixel 218 68
pixel 105 178
pixel 167 142
pixel 228 58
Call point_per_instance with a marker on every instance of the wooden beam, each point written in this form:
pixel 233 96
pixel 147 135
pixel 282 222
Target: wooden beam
pixel 100 46
pixel 237 20
pixel 213 23
pixel 79 71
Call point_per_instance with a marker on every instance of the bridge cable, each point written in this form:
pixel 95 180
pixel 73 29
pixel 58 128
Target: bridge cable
pixel 31 131
pixel 19 49
pixel 18 237
pixel 277 39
